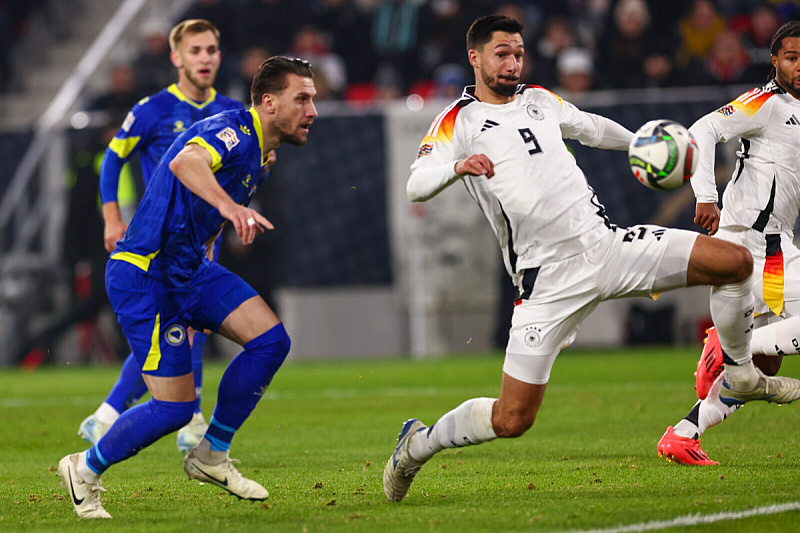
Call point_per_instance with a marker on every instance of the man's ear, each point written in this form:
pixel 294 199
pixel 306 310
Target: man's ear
pixel 175 57
pixel 472 55
pixel 268 102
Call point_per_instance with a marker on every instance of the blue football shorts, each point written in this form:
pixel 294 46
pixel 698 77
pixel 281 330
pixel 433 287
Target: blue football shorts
pixel 154 315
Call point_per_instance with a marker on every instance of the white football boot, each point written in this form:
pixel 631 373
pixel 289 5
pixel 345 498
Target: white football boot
pixel 85 496
pixel 225 476
pixel 92 430
pixel 192 433
pixel 401 468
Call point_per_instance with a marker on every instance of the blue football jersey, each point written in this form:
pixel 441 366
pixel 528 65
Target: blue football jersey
pixel 151 127
pixel 167 234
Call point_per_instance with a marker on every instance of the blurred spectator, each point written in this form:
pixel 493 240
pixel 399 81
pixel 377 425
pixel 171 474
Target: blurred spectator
pixel 698 30
pixel 310 44
pixel 443 24
pixel 557 36
pixel 575 68
pixel 394 37
pixel 729 63
pixel 271 23
pixel 239 87
pixel 153 69
pixel 659 70
pixel 758 27
pixel 348 28
pixel 449 81
pixel 121 94
pixel 623 50
pixel 388 84
pixel 224 15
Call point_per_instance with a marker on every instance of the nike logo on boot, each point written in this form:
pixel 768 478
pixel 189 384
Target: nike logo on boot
pixel 223 482
pixel 75 500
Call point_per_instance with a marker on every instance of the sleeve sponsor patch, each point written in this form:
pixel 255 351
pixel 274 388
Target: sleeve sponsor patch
pixel 424 150
pixel 727 110
pixel 128 122
pixel 228 136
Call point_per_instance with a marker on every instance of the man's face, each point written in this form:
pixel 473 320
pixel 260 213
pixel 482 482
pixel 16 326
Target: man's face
pixel 787 66
pixel 198 58
pixel 294 110
pixel 500 62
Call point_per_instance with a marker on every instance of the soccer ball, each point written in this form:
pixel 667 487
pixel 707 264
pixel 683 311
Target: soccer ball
pixel 663 155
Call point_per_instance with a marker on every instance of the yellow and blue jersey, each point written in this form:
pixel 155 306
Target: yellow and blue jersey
pixel 167 234
pixel 150 128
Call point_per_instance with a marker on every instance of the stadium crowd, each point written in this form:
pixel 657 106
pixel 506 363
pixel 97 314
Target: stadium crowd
pixel 368 50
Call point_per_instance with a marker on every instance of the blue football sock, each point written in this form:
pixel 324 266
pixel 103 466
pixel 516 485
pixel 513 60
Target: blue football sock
pixel 135 429
pixel 198 344
pixel 129 387
pixel 244 382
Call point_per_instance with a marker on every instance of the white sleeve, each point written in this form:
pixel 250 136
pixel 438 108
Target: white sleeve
pixel 434 169
pixel 726 123
pixel 593 130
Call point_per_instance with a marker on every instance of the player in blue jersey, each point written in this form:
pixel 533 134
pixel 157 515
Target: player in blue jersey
pixel 149 129
pixel 160 283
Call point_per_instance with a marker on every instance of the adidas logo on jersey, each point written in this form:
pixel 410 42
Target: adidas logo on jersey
pixel 489 124
pixel 793 121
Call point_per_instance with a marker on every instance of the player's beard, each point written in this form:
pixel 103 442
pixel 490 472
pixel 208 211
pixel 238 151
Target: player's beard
pixel 199 83
pixel 289 135
pixel 787 84
pixel 503 89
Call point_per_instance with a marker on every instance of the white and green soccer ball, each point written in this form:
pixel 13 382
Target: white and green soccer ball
pixel 663 155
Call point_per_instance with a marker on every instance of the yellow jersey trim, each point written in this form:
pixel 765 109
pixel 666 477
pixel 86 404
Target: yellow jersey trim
pixel 154 355
pixel 216 159
pixel 123 147
pixel 173 90
pixel 140 261
pixel 260 134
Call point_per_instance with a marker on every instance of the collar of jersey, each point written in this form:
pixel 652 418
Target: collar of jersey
pixel 260 133
pixel 173 90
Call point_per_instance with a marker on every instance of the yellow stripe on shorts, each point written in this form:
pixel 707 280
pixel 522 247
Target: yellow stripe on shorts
pixel 154 355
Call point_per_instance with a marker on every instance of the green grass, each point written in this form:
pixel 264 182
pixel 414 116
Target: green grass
pixel 322 434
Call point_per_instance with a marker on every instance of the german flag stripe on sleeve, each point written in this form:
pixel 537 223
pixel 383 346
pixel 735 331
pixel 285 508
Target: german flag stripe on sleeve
pixel 751 101
pixel 442 128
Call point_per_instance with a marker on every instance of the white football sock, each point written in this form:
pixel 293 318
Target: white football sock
pixel 84 471
pixel 207 455
pixel 469 423
pixel 732 312
pixel 778 338
pixel 705 413
pixel 106 414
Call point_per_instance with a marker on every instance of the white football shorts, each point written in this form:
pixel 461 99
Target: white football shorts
pixel 776 269
pixel 637 261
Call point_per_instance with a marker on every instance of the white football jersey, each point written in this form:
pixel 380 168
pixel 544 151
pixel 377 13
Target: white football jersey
pixel 538 203
pixel 764 191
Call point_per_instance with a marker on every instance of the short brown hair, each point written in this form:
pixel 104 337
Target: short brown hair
pixel 190 26
pixel 271 75
pixel 482 29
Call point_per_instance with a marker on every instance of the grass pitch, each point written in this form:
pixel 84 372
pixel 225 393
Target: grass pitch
pixel 322 434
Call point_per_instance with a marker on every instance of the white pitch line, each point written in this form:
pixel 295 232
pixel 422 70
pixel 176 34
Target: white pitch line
pixel 697 519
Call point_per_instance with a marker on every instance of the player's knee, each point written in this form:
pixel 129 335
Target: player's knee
pixel 173 415
pixel 744 264
pixel 514 425
pixel 273 346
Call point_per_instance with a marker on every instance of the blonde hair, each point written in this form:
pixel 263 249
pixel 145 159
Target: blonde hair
pixel 190 26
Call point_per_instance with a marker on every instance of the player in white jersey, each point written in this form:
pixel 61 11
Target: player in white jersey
pixel 505 142
pixel 760 209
